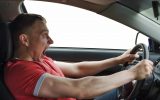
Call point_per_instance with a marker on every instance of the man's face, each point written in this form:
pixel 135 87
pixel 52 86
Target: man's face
pixel 39 39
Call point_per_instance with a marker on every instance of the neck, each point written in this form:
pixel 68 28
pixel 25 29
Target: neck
pixel 19 54
pixel 29 56
pixel 23 57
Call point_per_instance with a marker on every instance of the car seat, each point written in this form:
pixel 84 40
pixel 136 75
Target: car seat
pixel 6 50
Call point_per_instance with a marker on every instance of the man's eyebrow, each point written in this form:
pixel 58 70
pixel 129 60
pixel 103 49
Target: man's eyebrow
pixel 46 30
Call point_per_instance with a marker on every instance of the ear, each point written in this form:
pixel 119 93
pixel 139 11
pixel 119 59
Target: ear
pixel 24 39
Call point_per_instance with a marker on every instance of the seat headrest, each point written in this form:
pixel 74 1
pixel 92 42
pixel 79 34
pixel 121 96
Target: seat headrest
pixel 5 42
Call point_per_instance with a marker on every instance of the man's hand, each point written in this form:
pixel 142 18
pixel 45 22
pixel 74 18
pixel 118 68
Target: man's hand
pixel 127 57
pixel 143 69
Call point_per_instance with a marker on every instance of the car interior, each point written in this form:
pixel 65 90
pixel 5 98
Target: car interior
pixel 141 15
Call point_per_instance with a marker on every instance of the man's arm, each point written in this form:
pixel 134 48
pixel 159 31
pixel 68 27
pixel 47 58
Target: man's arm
pixel 91 86
pixel 86 68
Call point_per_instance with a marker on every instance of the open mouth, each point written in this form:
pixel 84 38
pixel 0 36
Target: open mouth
pixel 44 51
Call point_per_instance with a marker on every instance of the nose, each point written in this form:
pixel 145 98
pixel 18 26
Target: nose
pixel 50 41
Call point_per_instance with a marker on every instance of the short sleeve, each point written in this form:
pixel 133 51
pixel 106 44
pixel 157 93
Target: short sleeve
pixel 39 83
pixel 23 76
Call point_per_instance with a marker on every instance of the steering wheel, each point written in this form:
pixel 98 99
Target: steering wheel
pixel 138 84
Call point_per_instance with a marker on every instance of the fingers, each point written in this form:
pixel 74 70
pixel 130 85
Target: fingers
pixel 143 69
pixel 148 67
pixel 148 70
pixel 136 55
pixel 132 57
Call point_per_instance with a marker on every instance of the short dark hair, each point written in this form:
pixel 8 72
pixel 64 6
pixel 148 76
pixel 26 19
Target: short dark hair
pixel 21 24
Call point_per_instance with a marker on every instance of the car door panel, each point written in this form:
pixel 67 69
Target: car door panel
pixel 88 54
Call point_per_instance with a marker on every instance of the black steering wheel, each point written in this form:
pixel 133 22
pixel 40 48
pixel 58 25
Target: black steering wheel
pixel 138 84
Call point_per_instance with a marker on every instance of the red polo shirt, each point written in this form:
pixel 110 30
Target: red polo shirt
pixel 24 78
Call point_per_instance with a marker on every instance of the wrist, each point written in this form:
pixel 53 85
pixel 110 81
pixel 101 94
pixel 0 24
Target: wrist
pixel 118 60
pixel 132 73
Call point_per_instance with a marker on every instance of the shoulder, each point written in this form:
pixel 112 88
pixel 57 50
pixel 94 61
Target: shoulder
pixel 20 63
pixel 22 66
pixel 47 58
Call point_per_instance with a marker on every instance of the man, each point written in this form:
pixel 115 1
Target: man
pixel 31 75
